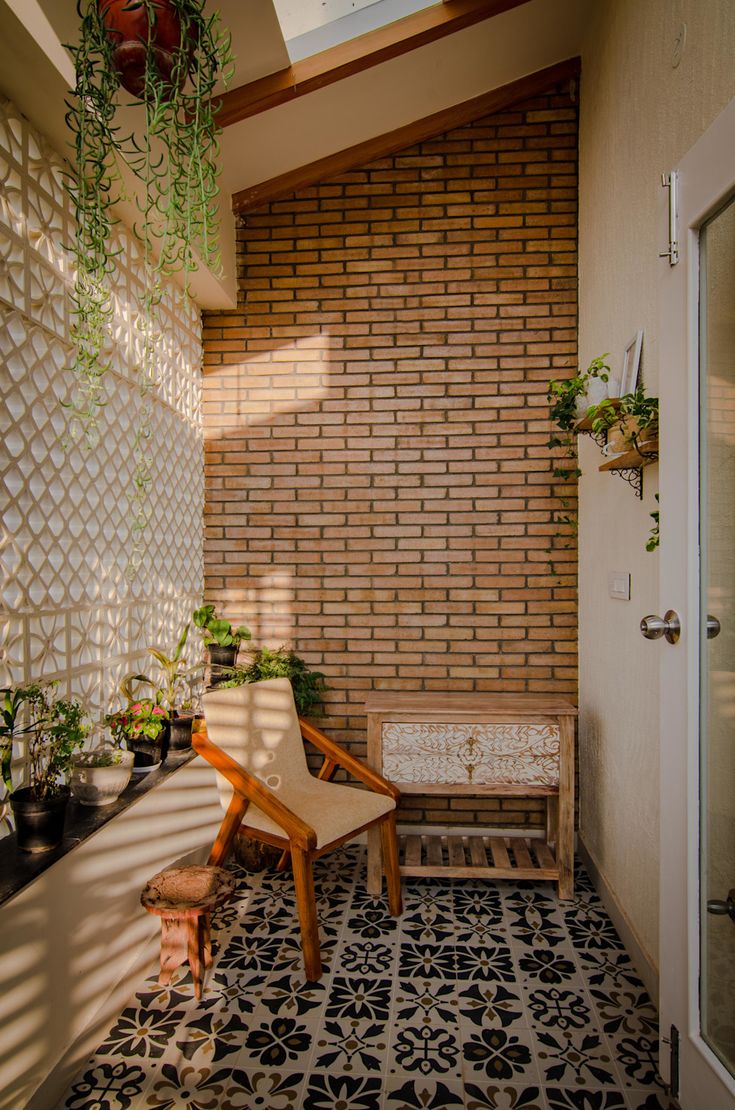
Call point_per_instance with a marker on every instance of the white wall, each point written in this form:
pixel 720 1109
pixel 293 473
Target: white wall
pixel 640 113
pixel 66 608
pixel 78 930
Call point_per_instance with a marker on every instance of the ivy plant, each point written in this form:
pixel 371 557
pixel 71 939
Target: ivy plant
pixel 174 155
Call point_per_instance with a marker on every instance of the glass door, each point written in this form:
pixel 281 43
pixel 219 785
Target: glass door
pixel 717 633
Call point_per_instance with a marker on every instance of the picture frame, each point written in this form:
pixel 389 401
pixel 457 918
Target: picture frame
pixel 631 364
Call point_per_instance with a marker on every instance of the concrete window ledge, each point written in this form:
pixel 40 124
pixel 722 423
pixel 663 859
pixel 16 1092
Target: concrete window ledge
pixel 74 936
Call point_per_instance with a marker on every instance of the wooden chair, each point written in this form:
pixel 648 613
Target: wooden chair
pixel 254 740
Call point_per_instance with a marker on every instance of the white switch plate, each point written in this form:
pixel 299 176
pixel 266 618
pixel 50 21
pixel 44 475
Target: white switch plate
pixel 618 584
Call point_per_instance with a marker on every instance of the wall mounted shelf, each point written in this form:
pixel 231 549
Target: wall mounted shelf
pixel 630 465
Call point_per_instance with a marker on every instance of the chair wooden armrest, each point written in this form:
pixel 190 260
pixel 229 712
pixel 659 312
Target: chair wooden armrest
pixel 335 754
pixel 247 786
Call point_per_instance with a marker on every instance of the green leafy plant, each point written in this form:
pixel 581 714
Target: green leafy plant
pixel 654 537
pixel 102 756
pixel 13 700
pixel 177 674
pixel 141 720
pixel 563 396
pixel 54 730
pixel 308 686
pixel 217 630
pixel 634 413
pixel 174 155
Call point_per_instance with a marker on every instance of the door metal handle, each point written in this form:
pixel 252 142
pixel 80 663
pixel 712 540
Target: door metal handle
pixel 653 627
pixel 713 627
pixel 718 906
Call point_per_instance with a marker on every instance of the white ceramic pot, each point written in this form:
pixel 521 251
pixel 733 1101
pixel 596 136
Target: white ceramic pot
pixel 596 392
pixel 100 784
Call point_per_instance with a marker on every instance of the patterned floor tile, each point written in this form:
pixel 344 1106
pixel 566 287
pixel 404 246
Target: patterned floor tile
pixel 564 1098
pixel 327 1091
pixel 480 997
pixel 426 1048
pixel 574 1057
pixel 502 1096
pixel 281 1042
pixel 108 1084
pixel 351 1047
pixel 423 1094
pixel 494 1054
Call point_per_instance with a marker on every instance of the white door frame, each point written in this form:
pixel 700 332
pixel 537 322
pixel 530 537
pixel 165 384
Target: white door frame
pixel 706 177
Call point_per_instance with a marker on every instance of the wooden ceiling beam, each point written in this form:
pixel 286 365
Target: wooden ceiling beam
pixel 356 55
pixel 403 137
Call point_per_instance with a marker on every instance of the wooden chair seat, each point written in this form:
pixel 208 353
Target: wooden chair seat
pixel 185 898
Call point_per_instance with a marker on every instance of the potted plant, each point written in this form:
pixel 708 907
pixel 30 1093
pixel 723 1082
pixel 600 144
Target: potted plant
pixel 220 638
pixel 631 424
pixel 177 677
pixel 171 54
pixel 100 775
pixel 308 686
pixel 143 727
pixel 571 397
pixel 55 728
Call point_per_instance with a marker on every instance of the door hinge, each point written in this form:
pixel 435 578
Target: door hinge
pixel 670 181
pixel 673 1042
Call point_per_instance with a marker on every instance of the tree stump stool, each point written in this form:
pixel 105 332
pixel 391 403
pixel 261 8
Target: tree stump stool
pixel 184 898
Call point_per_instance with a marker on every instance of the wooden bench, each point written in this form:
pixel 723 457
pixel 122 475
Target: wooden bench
pixel 465 744
pixel 184 898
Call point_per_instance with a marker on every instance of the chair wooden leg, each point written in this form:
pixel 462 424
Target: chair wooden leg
pixel 284 860
pixel 227 831
pixel 306 904
pixel 389 840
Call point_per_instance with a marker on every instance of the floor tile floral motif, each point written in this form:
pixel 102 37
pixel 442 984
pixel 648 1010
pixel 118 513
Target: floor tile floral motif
pixel 480 997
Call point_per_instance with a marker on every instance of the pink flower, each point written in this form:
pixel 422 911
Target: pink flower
pixel 136 708
pixel 157 709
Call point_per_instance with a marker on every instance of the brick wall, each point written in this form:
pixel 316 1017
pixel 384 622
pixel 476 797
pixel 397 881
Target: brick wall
pixel 379 490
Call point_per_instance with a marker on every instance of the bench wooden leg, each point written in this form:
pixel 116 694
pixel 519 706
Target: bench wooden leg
pixel 194 951
pixel 306 904
pixel 389 840
pixel 174 942
pixel 206 940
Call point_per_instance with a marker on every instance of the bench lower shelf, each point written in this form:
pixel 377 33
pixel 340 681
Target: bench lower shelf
pixel 485 857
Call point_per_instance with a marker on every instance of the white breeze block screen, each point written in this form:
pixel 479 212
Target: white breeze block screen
pixel 67 610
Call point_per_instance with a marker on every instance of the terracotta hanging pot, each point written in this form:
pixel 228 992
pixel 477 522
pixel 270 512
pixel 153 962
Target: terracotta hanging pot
pixel 127 26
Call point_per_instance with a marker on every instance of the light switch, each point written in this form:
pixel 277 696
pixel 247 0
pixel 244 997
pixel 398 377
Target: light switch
pixel 618 584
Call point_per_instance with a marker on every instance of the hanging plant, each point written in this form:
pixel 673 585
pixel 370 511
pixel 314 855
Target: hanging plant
pixel 169 54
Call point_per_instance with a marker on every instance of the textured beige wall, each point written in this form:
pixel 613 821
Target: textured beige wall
pixel 640 114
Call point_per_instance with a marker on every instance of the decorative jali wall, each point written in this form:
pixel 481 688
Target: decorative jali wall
pixel 67 610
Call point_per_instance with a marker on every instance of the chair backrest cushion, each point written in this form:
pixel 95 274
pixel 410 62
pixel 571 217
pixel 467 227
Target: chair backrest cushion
pixel 257 725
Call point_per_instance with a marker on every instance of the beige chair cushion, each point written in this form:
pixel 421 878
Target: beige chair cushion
pixel 257 725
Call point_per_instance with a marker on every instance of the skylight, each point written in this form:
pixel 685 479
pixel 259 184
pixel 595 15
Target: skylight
pixel 310 26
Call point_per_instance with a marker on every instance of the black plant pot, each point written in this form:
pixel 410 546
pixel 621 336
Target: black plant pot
pixel 149 753
pixel 39 824
pixel 220 657
pixel 181 729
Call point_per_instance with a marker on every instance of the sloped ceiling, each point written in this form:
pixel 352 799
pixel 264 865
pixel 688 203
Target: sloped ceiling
pixel 35 73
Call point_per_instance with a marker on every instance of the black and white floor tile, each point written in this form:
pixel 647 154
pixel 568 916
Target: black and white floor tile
pixel 481 997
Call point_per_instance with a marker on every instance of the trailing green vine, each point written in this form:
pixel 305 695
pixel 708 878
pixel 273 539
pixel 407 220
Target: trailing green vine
pixel 174 155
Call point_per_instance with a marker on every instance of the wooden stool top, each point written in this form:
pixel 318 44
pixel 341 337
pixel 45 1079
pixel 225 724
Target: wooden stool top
pixel 187 891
